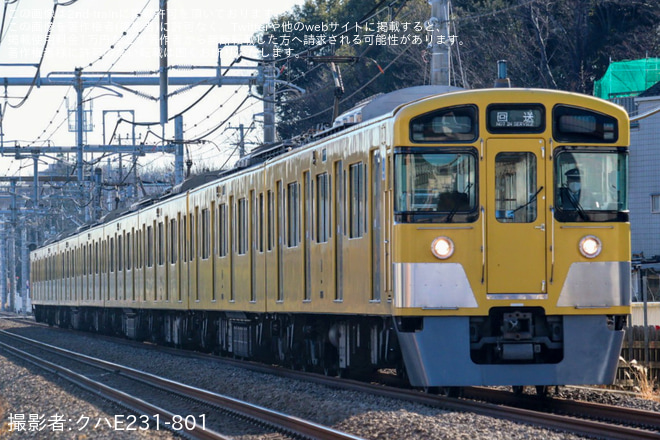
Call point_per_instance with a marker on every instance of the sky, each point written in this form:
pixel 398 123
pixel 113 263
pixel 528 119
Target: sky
pixel 123 36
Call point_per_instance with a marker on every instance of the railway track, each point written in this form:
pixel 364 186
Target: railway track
pixel 192 426
pixel 584 418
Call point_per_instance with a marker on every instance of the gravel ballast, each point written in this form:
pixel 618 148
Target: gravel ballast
pixel 27 390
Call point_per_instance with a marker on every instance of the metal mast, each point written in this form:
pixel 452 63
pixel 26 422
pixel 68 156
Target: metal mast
pixel 440 53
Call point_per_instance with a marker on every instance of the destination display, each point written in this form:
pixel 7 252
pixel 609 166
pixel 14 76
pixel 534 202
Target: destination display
pixel 516 118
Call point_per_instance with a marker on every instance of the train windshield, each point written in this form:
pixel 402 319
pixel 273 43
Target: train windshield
pixel 435 185
pixel 591 185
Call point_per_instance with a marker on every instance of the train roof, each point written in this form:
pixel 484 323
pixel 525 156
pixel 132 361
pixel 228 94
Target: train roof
pixel 370 108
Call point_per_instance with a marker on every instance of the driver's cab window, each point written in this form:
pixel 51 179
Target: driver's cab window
pixel 591 185
pixel 515 187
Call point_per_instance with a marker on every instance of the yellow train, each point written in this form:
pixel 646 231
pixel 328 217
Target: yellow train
pixel 463 237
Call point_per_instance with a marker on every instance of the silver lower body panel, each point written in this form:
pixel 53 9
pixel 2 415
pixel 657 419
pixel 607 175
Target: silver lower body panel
pixel 439 355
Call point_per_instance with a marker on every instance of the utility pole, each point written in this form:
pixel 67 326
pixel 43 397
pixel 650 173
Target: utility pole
pixel 3 264
pixel 269 90
pixel 80 128
pixel 178 155
pixel 440 53
pixel 80 81
pixel 163 63
pixel 241 139
pixel 11 247
pixel 25 269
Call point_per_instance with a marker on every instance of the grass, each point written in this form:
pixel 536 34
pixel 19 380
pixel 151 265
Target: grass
pixel 638 376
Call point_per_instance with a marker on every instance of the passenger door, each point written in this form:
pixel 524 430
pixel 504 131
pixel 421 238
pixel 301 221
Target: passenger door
pixel 516 217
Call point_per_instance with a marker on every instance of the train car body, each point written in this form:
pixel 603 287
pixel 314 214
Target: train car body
pixel 464 237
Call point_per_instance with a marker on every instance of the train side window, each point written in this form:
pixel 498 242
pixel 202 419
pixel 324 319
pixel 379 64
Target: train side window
pixel 453 124
pixel 357 200
pixel 323 201
pixel 280 233
pixel 150 246
pixel 222 230
pixel 129 251
pixel 271 221
pixel 83 255
pixel 173 241
pixel 260 220
pixel 120 253
pixel 112 254
pixel 104 256
pixel 191 240
pixel 184 238
pixel 161 244
pixel 206 234
pixel 140 249
pixel 241 226
pixel 293 214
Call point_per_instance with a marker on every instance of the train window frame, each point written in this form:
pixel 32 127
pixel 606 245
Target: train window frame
pixel 191 234
pixel 455 215
pixel 129 252
pixel 97 261
pixel 279 243
pixel 139 250
pixel 427 122
pixel 516 107
pixel 222 230
pixel 150 246
pixel 120 252
pixel 515 191
pixel 270 240
pixel 112 254
pixel 173 241
pixel 160 242
pixel 260 220
pixel 242 226
pixel 206 233
pixel 601 119
pixel 293 214
pixel 90 260
pixel 357 191
pixel 579 213
pixel 323 208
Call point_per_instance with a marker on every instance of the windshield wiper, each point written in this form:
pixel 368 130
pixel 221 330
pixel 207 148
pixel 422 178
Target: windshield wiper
pixel 531 200
pixel 578 208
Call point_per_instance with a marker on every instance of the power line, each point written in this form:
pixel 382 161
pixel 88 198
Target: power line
pixel 43 54
pixel 123 35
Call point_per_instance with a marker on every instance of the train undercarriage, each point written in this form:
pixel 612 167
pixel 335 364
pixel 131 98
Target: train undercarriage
pixel 508 347
pixel 329 344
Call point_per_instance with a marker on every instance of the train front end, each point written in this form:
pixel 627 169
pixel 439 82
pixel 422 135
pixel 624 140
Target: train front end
pixel 510 238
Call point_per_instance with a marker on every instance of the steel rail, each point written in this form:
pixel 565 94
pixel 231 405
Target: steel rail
pixel 125 400
pixel 539 417
pixel 272 418
pixel 593 410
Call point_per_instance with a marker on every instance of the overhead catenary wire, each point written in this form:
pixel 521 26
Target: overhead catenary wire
pixel 4 13
pixel 43 54
pixel 112 46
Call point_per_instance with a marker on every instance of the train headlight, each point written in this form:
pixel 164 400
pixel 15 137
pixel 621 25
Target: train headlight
pixel 590 246
pixel 442 247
